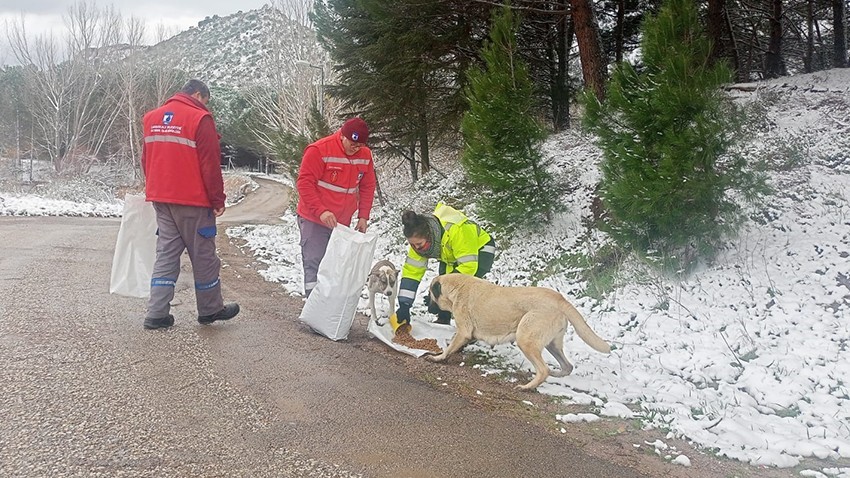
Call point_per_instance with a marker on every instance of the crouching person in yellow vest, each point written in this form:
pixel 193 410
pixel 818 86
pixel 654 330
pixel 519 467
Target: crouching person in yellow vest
pixel 449 236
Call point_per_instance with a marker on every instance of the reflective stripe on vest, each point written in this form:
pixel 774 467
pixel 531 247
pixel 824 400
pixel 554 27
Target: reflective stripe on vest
pixel 159 138
pixel 335 188
pixel 330 159
pixel 415 263
pixel 469 258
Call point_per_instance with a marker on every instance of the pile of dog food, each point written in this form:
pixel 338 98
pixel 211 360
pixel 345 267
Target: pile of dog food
pixel 403 337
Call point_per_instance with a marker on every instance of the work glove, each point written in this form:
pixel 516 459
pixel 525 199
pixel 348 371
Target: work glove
pixel 401 316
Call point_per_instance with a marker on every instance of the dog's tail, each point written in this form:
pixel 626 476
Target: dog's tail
pixel 584 331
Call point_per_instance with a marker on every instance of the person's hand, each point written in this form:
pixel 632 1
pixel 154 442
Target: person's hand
pixel 328 219
pixel 403 314
pixel 361 225
pixel 218 212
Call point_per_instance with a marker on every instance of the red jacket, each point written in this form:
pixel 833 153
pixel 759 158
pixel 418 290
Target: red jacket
pixel 181 156
pixel 331 181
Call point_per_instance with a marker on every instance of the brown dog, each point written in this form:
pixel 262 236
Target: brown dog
pixel 535 317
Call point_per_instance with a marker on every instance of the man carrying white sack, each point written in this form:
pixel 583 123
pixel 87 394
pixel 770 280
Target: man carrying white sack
pixel 336 178
pixel 181 161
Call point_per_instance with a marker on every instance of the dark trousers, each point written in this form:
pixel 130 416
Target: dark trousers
pixel 314 243
pixel 191 229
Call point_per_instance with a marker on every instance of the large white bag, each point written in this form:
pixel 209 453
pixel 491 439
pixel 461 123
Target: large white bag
pixel 135 249
pixel 342 273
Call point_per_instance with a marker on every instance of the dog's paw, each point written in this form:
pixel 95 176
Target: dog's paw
pixel 379 322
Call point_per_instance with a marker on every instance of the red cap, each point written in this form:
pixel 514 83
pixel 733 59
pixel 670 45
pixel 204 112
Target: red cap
pixel 356 130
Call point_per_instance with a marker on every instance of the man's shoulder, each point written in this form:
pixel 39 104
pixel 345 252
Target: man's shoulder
pixel 312 151
pixel 322 141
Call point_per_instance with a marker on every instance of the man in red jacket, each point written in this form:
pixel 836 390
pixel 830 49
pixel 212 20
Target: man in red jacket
pixel 181 161
pixel 337 178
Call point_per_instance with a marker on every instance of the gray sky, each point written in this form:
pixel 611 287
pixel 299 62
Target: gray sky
pixel 41 16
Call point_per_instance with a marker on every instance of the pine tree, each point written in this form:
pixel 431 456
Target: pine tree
pixel 501 136
pixel 401 65
pixel 668 135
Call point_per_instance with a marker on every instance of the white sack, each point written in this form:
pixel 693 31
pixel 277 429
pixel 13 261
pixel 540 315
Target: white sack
pixel 135 249
pixel 342 273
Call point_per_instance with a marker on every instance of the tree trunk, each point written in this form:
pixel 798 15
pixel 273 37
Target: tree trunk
pixel 774 67
pixel 840 47
pixel 561 83
pixel 618 31
pixel 414 171
pixel 720 33
pixel 810 37
pixel 424 153
pixel 593 62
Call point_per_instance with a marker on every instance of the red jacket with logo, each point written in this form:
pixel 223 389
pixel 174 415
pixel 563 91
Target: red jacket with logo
pixel 329 180
pixel 181 156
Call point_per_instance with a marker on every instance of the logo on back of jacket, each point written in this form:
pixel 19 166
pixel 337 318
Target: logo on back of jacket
pixel 166 126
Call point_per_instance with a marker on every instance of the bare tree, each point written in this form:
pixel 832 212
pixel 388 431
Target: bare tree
pixel 92 32
pixel 129 78
pixel 294 69
pixel 296 10
pixel 166 76
pixel 65 83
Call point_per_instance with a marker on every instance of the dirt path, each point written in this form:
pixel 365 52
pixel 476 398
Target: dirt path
pixel 264 205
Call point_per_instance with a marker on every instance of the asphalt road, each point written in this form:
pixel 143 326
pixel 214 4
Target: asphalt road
pixel 86 391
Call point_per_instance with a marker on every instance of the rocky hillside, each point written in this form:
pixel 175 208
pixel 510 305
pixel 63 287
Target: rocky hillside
pixel 239 49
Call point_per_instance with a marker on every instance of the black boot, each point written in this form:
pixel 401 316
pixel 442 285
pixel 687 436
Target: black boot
pixel 160 323
pixel 228 312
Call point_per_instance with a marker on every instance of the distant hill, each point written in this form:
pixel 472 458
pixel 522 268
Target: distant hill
pixel 238 49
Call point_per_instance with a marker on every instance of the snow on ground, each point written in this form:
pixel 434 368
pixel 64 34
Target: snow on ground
pixel 31 205
pixel 746 357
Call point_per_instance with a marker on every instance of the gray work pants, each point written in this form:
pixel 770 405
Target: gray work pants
pixel 314 243
pixel 191 229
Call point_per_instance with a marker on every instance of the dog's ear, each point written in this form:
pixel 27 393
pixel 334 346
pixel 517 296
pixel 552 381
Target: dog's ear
pixel 435 296
pixel 436 289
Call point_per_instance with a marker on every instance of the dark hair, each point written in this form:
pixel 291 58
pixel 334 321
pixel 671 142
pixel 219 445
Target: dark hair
pixel 414 225
pixel 195 86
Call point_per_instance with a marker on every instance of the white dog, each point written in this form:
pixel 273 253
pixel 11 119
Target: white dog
pixel 383 279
